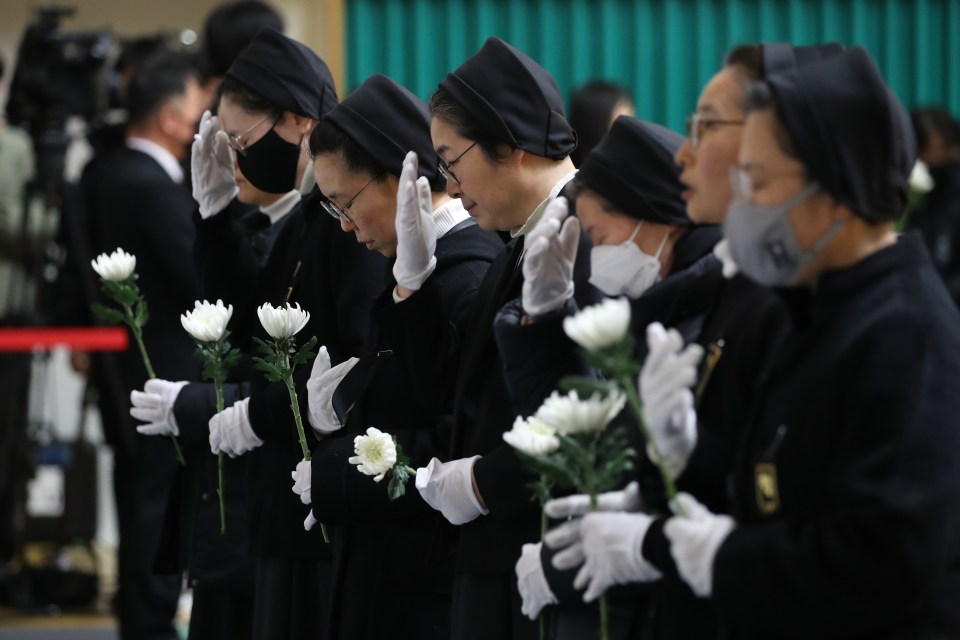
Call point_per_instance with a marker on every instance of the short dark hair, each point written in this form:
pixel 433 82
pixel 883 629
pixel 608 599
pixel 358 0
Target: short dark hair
pixel 934 121
pixel 747 59
pixel 247 98
pixel 590 109
pixel 759 97
pixel 327 138
pixel 230 28
pixel 156 81
pixel 443 106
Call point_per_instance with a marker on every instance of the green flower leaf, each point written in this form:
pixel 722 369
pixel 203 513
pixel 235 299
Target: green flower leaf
pixel 305 354
pixel 106 314
pixel 586 387
pixel 140 313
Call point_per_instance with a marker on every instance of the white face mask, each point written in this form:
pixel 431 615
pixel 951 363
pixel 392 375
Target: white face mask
pixel 623 269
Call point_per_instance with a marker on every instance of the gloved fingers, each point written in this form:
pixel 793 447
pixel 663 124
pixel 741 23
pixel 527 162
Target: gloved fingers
pixel 670 380
pixel 563 535
pixel 595 589
pixel 626 500
pixel 222 151
pixel 425 197
pixel 309 521
pixel 567 507
pixel 204 127
pixel 533 257
pixel 656 336
pixel 583 577
pixel 688 507
pixel 341 370
pixel 156 385
pixel 145 400
pixel 424 473
pixel 691 355
pixel 570 238
pixel 145 414
pixel 683 416
pixel 411 164
pixel 569 558
pixel 556 210
pixel 153 429
pixel 321 364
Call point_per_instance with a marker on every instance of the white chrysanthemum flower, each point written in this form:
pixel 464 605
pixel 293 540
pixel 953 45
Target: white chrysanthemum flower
pixel 282 323
pixel 207 321
pixel 532 436
pixel 115 267
pixel 376 453
pixel 599 326
pixel 570 415
pixel 920 179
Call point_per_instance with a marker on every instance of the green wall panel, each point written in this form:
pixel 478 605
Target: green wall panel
pixel 663 50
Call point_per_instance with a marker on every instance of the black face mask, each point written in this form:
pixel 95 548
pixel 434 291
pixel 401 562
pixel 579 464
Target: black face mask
pixel 270 163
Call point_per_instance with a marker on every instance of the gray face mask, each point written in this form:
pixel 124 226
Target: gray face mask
pixel 763 243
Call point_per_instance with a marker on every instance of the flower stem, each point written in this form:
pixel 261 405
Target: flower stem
pixel 634 400
pixel 301 434
pixel 602 601
pixel 138 336
pixel 218 387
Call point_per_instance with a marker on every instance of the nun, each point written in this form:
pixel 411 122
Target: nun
pixel 271 98
pixel 844 521
pixel 697 418
pixel 503 146
pixel 645 247
pixel 375 164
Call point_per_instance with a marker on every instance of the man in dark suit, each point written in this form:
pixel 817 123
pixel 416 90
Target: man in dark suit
pixel 140 202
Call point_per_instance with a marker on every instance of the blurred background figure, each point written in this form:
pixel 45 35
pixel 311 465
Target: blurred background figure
pixel 593 108
pixel 139 200
pixel 16 171
pixel 228 30
pixel 937 214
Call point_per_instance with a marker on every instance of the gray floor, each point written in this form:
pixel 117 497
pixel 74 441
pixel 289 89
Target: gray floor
pixel 58 634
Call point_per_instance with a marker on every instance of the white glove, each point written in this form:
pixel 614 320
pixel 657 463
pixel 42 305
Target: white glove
pixel 230 430
pixel 612 552
pixel 551 251
pixel 695 537
pixel 321 386
pixel 722 251
pixel 416 231
pixel 567 536
pixel 154 405
pixel 665 380
pixel 211 167
pixel 448 488
pixel 531 582
pixel 302 477
pixel 309 521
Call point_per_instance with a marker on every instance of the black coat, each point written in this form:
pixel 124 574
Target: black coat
pixel 380 541
pixel 854 533
pixel 741 334
pixel 333 278
pixel 138 207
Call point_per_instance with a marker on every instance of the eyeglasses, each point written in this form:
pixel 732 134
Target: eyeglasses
pixel 743 183
pixel 240 146
pixel 339 213
pixel 447 169
pixel 697 125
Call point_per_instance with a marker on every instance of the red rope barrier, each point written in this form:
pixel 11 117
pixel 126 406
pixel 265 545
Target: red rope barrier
pixel 77 338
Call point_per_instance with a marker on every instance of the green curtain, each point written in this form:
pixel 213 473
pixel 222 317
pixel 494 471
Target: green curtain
pixel 663 50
